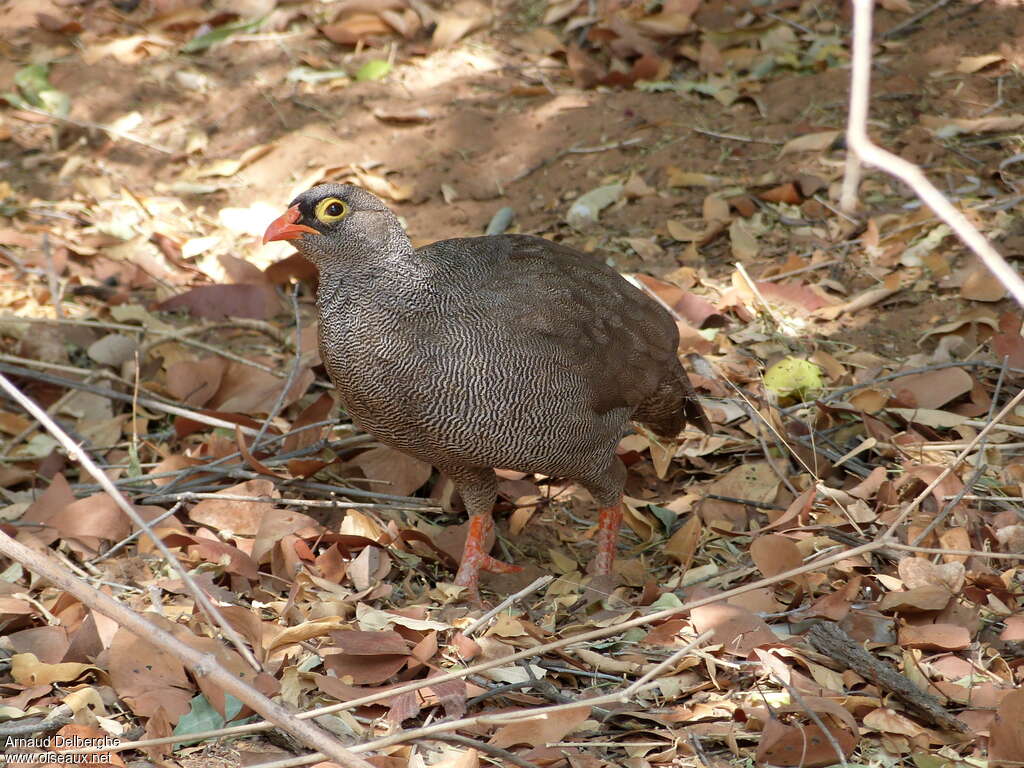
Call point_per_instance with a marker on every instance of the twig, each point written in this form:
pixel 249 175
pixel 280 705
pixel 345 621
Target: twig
pixel 582 638
pixel 838 393
pixel 601 147
pixel 132 537
pixel 858 141
pixel 802 270
pixel 123 504
pixel 735 137
pixel 957 552
pixel 227 354
pixel 249 324
pixel 571 151
pixel 293 374
pixel 913 20
pixel 201 664
pixel 311 503
pixel 890 531
pixel 537 585
pixel 815 718
pixel 507 758
pixel 52 279
pixel 107 129
pixel 145 402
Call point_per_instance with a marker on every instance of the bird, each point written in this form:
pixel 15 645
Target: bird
pixel 501 351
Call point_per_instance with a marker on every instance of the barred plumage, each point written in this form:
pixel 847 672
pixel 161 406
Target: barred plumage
pixel 504 351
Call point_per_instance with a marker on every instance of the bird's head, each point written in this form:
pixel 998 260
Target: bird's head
pixel 332 223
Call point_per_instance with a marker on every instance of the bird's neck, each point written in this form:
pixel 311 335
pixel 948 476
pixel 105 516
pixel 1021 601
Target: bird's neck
pixel 387 278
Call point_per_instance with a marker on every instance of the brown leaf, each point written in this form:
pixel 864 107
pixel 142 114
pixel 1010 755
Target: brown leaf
pixel 981 285
pixel 319 410
pixel 244 389
pixel 811 142
pixel 147 678
pixel 540 731
pixel 932 389
pixel 466 16
pixel 737 629
pixel 195 382
pixel 683 543
pixel 1008 343
pixel 354 28
pixel 1006 748
pixel 774 554
pixel 404 473
pixel 939 637
pixel 216 302
pixel 928 598
pixel 240 517
pixel 785 193
pixel 805 745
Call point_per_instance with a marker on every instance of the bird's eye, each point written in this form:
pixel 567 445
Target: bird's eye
pixel 331 209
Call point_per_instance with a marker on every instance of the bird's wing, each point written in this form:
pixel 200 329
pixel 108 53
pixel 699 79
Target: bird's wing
pixel 565 308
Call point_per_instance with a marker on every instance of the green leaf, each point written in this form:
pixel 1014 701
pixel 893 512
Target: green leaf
pixel 33 83
pixel 201 717
pixel 656 86
pixel 666 517
pixel 374 69
pixel 793 377
pixel 310 75
pixel 666 600
pixel 31 80
pixel 219 35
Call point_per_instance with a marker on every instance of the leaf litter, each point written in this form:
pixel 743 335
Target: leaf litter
pixel 845 367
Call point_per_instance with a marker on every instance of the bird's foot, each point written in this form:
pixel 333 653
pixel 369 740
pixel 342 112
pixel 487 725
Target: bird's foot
pixel 607 539
pixel 475 558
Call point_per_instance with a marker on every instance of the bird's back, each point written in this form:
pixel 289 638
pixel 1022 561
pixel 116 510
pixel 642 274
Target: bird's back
pixel 562 306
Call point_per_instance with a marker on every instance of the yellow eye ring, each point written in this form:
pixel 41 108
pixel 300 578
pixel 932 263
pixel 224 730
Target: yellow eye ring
pixel 331 209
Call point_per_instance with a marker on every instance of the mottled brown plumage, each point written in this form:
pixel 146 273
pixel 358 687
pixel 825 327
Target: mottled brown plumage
pixel 505 351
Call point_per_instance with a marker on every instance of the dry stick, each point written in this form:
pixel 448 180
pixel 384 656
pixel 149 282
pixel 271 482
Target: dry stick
pixel 890 531
pixel 107 129
pixel 958 552
pixel 815 718
pixel 735 137
pixel 429 731
pixel 584 637
pixel 249 324
pixel 857 140
pixel 540 583
pixel 145 402
pixel 234 357
pixel 53 281
pixel 293 374
pixel 801 270
pixel 917 17
pixel 201 664
pixel 838 393
pixel 125 506
pixel 133 536
pixel 312 503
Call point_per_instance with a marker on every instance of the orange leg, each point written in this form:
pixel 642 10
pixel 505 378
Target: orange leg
pixel 607 539
pixel 475 558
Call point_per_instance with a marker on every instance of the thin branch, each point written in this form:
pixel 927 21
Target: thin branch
pixel 293 374
pixel 1007 409
pixel 201 664
pixel 145 402
pixel 539 584
pixel 125 506
pixel 582 638
pixel 858 141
